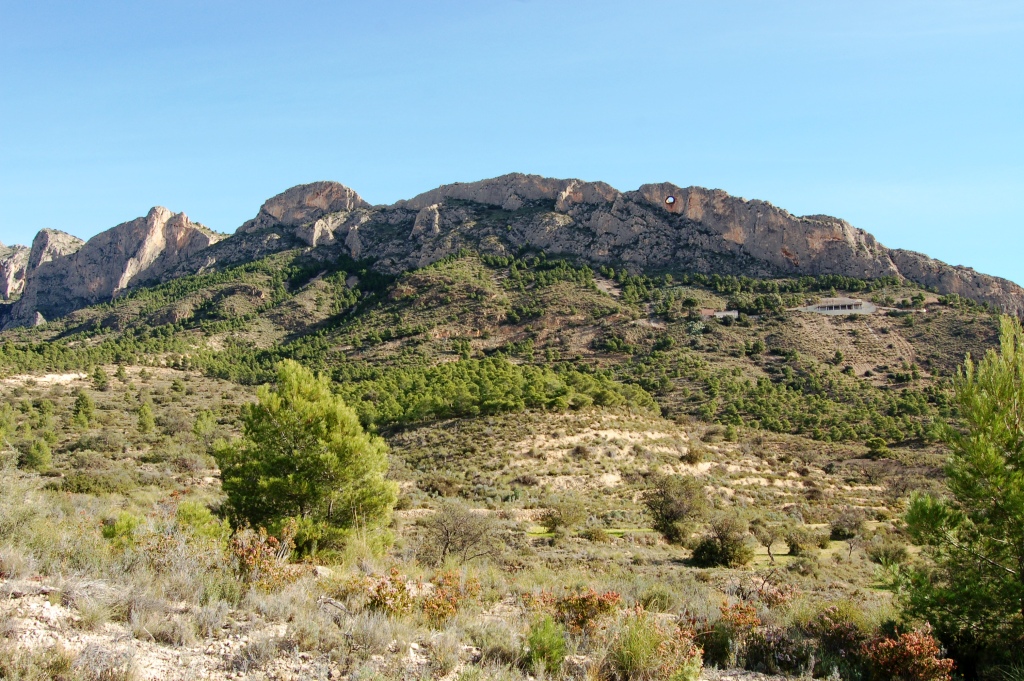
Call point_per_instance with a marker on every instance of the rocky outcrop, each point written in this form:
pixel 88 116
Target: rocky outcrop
pixel 13 261
pixel 65 274
pixel 302 205
pixel 661 226
pixel 656 227
pixel 51 244
pixel 963 281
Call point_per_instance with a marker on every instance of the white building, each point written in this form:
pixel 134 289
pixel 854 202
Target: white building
pixel 840 306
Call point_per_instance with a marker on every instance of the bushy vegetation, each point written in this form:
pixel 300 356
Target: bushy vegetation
pixel 480 388
pixel 589 479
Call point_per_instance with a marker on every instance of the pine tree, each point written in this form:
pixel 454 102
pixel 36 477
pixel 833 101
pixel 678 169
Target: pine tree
pixel 974 592
pixel 83 410
pixel 146 420
pixel 303 455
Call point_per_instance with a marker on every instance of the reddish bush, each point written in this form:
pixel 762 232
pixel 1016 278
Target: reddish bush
pixel 909 657
pixel 389 593
pixel 261 560
pixel 578 610
pixel 449 593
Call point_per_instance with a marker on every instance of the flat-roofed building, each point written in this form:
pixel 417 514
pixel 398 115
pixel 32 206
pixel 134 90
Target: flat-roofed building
pixel 841 305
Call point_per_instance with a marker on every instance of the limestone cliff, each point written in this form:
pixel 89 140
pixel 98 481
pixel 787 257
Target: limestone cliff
pixel 13 261
pixel 658 226
pixel 303 204
pixel 65 274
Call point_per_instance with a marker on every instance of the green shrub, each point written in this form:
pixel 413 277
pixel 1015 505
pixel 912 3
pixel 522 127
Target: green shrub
pixel 121 530
pixel 726 545
pixel 36 456
pixel 675 503
pixel 887 551
pixel 117 481
pixel 546 645
pixel 198 520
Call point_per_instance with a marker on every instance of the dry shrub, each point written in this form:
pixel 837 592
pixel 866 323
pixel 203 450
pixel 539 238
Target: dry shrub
pixel 92 614
pixel 15 563
pixel 210 619
pixel 644 649
pixel 499 642
pixel 261 559
pixel 371 633
pixel 100 663
pixel 445 652
pixel 177 630
pixel 257 653
pixel 39 664
pixel 315 631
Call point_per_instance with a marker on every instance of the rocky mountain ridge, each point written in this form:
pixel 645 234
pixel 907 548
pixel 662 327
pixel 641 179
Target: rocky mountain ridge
pixel 62 273
pixel 657 226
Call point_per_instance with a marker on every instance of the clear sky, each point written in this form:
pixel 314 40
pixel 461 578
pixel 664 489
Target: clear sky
pixel 905 118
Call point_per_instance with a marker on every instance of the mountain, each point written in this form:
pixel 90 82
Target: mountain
pixel 658 228
pixel 62 273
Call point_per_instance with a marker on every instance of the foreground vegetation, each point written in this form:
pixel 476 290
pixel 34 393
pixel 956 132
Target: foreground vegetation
pixel 512 467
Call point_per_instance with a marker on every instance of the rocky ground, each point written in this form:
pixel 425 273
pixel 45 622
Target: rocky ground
pixel 33 618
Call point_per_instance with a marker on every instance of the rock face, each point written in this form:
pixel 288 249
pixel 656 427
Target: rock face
pixel 65 274
pixel 52 244
pixel 658 226
pixel 304 204
pixel 13 261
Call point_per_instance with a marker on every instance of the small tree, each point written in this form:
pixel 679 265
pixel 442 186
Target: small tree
pixel 974 593
pixel 767 535
pixel 99 379
pixel 83 410
pixel 563 513
pixel 146 421
pixel 304 455
pixel 676 503
pixel 455 531
pixel 36 455
pixel 847 525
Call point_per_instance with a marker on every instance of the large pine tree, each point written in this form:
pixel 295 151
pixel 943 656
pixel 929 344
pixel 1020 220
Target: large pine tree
pixel 303 455
pixel 973 589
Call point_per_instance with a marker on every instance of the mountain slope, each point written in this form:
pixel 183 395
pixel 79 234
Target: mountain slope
pixel 658 227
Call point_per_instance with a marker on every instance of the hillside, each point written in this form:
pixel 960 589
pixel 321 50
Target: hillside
pixel 655 229
pixel 528 348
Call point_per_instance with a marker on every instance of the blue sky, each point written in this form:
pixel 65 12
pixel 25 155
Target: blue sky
pixel 905 118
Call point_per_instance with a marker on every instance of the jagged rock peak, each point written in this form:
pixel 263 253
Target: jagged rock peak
pixel 52 243
pixel 303 204
pixel 512 191
pixel 13 260
pixel 65 274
